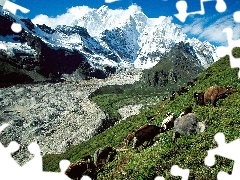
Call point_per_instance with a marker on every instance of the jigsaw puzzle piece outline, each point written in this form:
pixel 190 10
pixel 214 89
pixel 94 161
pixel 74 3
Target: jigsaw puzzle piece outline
pixel 2 2
pixel 227 150
pixel 3 126
pixel 35 164
pixel 222 50
pixel 6 156
pixel 221 6
pixel 159 178
pixel 236 16
pixel 182 7
pixel 12 7
pixel 63 165
pixel 32 168
pixel 177 171
pixel 223 176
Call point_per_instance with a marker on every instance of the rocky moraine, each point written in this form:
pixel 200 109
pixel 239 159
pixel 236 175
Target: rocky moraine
pixel 54 115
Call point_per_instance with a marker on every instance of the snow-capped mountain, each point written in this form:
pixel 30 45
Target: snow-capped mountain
pixel 147 37
pixel 103 39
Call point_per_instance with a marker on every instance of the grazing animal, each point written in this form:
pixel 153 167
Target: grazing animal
pixel 182 90
pixel 104 155
pixel 199 98
pixel 76 170
pixel 213 94
pixel 146 134
pixel 186 111
pixel 164 98
pixel 130 136
pixel 195 79
pixel 87 158
pixel 190 84
pixel 186 125
pixel 172 97
pixel 168 122
pixel 151 118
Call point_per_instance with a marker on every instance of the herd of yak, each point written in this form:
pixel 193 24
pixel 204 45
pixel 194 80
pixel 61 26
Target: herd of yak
pixel 187 123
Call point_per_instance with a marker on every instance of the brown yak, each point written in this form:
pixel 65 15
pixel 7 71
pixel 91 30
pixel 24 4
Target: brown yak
pixel 146 134
pixel 76 170
pixel 130 136
pixel 213 94
pixel 104 155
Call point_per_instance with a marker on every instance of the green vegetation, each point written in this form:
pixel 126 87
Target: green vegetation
pixel 176 67
pixel 111 98
pixel 236 52
pixel 13 73
pixel 187 151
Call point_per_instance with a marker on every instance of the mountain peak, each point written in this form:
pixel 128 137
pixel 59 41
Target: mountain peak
pixel 103 9
pixel 118 38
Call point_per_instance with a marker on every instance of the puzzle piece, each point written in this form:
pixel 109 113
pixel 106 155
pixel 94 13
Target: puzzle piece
pixel 222 51
pixel 35 164
pixel 10 169
pixel 227 150
pixel 182 9
pixel 111 1
pixel 12 8
pixel 85 178
pixel 60 176
pixel 177 171
pixel 2 2
pixel 236 16
pixel 2 127
pixel 6 158
pixel 159 178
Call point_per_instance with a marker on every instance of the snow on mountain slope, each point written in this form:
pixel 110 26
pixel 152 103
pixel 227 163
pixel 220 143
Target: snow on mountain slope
pixel 204 51
pixel 159 36
pixel 123 40
pixel 118 38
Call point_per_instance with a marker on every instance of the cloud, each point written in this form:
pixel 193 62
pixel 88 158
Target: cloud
pixel 111 1
pixel 211 29
pixel 74 13
pixel 214 32
pixel 65 19
pixel 195 28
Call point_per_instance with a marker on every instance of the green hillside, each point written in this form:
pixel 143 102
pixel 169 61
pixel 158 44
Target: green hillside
pixel 176 67
pixel 187 151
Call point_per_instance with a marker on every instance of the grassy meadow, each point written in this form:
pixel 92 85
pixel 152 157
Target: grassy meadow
pixel 187 152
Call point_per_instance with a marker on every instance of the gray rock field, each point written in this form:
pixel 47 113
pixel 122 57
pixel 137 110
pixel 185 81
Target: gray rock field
pixel 54 115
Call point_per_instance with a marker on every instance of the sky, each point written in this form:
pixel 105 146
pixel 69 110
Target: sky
pixel 204 27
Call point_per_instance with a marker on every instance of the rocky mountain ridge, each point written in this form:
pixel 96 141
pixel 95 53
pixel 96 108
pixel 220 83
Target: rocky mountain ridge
pixel 176 67
pixel 97 44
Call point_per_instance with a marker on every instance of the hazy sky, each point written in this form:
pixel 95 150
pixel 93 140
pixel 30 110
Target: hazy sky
pixel 205 27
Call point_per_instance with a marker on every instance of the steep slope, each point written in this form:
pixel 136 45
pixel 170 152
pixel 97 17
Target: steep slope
pixel 187 152
pixel 123 39
pixel 176 67
pixel 38 59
